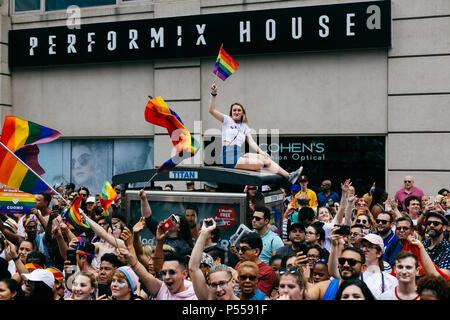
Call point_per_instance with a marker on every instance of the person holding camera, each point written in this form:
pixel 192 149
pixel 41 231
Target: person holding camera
pixel 219 282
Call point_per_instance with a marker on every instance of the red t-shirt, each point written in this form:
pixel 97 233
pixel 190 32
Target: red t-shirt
pixel 266 278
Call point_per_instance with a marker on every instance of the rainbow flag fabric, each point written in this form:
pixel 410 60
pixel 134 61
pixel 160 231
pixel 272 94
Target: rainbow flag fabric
pixel 108 196
pixel 225 65
pixel 158 113
pixel 73 217
pixel 372 189
pixel 21 137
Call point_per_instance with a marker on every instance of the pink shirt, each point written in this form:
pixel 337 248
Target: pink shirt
pixel 401 195
pixel 188 294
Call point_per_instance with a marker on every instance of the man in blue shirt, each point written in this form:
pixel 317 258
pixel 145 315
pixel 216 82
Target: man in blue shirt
pixel 326 196
pixel 271 241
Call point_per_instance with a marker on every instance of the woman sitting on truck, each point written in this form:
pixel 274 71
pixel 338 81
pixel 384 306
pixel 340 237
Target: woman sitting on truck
pixel 235 132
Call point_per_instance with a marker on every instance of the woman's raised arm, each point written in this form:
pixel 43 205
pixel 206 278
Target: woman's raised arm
pixel 212 104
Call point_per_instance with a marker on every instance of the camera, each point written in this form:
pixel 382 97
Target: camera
pixel 169 222
pixel 343 230
pixel 219 223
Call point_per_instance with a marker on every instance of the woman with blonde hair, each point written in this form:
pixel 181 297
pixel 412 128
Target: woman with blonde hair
pixel 235 132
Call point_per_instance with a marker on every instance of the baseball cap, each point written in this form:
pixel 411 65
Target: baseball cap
pixel 374 239
pixel 303 178
pixel 252 187
pixel 41 275
pixel 90 200
pixel 295 188
pixel 438 215
pixel 131 277
pixel 296 225
pixel 211 184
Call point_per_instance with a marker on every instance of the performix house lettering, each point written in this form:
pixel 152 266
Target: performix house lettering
pixel 313 28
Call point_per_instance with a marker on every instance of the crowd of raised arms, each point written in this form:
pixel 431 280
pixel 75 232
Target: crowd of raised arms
pixel 332 245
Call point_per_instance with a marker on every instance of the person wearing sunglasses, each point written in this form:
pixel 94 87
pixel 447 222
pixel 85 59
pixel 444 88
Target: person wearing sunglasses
pixel 173 286
pixel 219 282
pixel 248 282
pixel 436 246
pixel 271 241
pixel 383 224
pixel 408 190
pixel 249 249
pixel 404 227
pixel 349 264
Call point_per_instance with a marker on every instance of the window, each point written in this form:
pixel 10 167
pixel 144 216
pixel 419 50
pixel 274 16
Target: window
pixel 27 5
pixel 21 6
pixel 90 162
pixel 63 4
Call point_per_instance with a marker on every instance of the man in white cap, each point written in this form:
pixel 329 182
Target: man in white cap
pixel 38 275
pixel 378 281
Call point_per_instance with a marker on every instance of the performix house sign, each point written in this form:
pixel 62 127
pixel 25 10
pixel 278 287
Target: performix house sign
pixel 299 29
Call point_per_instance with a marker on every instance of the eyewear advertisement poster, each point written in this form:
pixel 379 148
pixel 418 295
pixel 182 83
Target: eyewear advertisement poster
pixel 90 162
pixel 162 210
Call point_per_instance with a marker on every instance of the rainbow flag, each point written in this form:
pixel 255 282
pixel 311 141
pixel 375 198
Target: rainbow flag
pixel 158 113
pixel 13 201
pixel 225 65
pixel 372 190
pixel 21 137
pixel 108 196
pixel 73 217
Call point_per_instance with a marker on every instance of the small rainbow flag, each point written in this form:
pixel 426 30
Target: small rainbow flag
pixel 73 217
pixel 158 113
pixel 372 189
pixel 20 137
pixel 108 196
pixel 225 65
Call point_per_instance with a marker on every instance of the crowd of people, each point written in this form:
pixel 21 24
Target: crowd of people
pixel 332 246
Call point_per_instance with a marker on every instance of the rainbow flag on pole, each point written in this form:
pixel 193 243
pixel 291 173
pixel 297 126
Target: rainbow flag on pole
pixel 73 217
pixel 158 113
pixel 225 65
pixel 108 196
pixel 21 137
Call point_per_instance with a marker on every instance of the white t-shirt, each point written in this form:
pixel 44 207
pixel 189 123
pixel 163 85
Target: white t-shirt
pixel 374 282
pixel 233 132
pixel 392 295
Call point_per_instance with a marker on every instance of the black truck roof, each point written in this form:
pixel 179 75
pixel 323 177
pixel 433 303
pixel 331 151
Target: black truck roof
pixel 220 175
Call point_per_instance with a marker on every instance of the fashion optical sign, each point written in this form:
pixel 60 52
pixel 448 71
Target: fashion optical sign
pixel 300 29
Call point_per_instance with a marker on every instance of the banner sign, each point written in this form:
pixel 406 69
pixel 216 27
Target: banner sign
pixel 361 25
pixel 13 201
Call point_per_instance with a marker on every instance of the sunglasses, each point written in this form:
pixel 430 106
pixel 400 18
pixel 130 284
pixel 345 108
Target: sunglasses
pixel 171 272
pixel 407 181
pixel 379 221
pixel 351 262
pixel 361 221
pixel 434 223
pixel 362 204
pixel 220 284
pixel 283 271
pixel 251 278
pixel 368 246
pixel 403 228
pixel 243 249
pixel 256 218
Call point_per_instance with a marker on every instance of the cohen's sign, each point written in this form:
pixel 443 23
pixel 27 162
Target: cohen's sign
pixel 299 29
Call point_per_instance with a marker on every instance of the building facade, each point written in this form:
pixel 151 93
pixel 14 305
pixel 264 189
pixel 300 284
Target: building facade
pixel 377 112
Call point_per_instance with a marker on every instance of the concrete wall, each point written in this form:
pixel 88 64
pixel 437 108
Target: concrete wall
pixel 418 140
pixel 402 92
